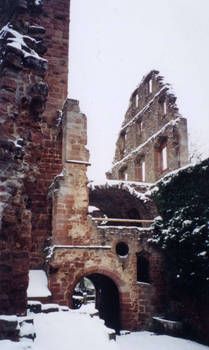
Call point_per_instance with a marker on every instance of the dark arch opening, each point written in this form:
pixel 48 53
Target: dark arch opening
pixel 107 300
pixel 115 201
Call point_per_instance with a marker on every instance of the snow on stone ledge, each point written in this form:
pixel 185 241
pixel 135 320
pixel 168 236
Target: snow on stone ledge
pixel 130 186
pixel 38 284
pixel 92 208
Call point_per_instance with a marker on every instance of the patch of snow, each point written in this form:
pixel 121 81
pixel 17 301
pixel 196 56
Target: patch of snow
pixel 146 185
pixel 38 2
pixel 82 246
pixel 143 283
pixel 123 256
pixel 164 320
pixel 150 341
pixel 77 330
pixel 202 253
pixel 37 27
pixel 71 330
pixel 130 187
pixel 15 142
pixel 198 229
pixel 10 318
pixel 66 246
pixel 17 41
pixel 11 345
pixel 38 284
pixel 49 306
pixel 88 309
pixel 127 228
pixel 187 222
pixel 77 161
pixel 34 302
pixel 92 208
pixel 158 218
pixel 26 329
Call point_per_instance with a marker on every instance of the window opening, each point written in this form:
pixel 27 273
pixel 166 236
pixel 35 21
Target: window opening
pixel 150 86
pixel 122 144
pixel 137 101
pixel 122 249
pixel 143 170
pixel 123 175
pixel 139 127
pixel 140 171
pixel 164 158
pixel 143 268
pixel 164 108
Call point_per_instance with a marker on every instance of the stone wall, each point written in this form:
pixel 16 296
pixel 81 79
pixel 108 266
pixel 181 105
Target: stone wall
pixel 152 122
pixel 80 247
pixel 33 87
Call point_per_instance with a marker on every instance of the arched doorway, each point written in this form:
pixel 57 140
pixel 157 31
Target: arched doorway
pixel 107 300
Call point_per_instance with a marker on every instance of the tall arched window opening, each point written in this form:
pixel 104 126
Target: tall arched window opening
pixel 143 269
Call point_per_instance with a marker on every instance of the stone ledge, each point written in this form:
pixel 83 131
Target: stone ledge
pixel 163 326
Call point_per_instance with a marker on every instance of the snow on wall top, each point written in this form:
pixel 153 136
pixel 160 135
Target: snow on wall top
pixel 23 45
pixel 130 186
pixel 145 108
pixel 38 284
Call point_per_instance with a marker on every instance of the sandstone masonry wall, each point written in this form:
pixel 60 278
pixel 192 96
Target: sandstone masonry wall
pixel 82 248
pixel 33 87
pixel 152 123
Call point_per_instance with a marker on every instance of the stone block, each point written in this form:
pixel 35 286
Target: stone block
pixel 8 328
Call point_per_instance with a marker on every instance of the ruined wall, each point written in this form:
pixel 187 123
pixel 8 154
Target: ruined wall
pixel 82 248
pixel 69 190
pixel 33 86
pixel 139 301
pixel 153 138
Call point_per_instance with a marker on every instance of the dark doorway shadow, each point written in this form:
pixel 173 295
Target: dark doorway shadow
pixel 107 300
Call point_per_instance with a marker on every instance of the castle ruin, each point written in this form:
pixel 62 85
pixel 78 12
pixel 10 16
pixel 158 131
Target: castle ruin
pixel 44 212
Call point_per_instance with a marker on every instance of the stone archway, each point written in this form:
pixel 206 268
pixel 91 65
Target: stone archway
pixel 119 201
pixel 107 299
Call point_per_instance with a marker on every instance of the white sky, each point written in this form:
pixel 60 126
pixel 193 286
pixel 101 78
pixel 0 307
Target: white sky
pixel 113 43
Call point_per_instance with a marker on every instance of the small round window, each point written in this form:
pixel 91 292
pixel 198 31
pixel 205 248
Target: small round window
pixel 122 249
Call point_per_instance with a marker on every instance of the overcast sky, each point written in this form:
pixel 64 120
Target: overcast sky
pixel 114 43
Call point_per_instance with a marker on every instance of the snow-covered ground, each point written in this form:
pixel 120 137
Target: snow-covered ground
pixel 151 341
pixel 77 330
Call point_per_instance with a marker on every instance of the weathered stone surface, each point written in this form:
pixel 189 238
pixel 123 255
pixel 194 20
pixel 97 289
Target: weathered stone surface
pixel 43 183
pixel 153 138
pixel 24 134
